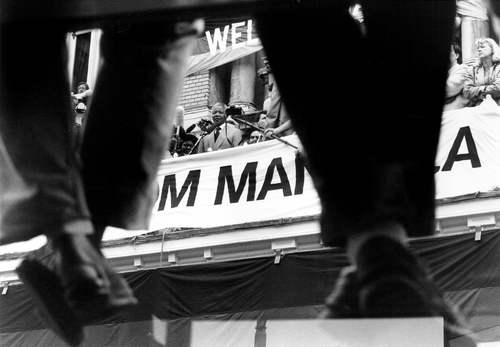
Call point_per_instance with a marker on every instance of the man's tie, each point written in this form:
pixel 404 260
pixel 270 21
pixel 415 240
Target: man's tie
pixel 216 133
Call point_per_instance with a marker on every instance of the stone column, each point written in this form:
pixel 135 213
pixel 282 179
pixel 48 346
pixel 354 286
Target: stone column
pixel 217 90
pixel 94 57
pixel 71 46
pixel 243 76
pixel 472 29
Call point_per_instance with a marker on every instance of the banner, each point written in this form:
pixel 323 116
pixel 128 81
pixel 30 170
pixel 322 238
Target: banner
pixel 266 181
pixel 207 61
pixel 225 40
pixel 263 181
pixel 468 157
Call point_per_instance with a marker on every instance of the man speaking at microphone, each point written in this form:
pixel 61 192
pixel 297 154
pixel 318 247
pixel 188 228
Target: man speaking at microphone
pixel 226 135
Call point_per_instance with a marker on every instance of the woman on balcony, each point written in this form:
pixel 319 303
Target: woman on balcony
pixel 484 78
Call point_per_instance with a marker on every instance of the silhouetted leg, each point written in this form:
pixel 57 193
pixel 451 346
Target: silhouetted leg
pixel 130 119
pixel 41 186
pixel 36 128
pixel 370 139
pixel 326 92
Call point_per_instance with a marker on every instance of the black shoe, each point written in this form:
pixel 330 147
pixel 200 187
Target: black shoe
pixel 93 289
pixel 80 269
pixel 118 298
pixel 389 282
pixel 86 285
pixel 393 283
pixel 343 301
pixel 47 293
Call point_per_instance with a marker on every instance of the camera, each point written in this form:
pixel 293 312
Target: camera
pixel 234 111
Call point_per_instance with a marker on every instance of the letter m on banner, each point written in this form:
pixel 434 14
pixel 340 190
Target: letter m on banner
pixel 226 175
pixel 170 184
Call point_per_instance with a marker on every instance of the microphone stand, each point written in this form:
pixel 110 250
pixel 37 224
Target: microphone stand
pixel 209 130
pixel 263 131
pixel 239 120
pixel 197 142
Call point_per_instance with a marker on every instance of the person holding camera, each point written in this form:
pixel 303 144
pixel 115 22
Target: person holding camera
pixel 81 100
pixel 224 135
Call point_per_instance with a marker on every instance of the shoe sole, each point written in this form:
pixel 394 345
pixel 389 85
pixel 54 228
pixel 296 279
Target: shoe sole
pixel 93 303
pixel 400 297
pixel 101 307
pixel 47 293
pixel 393 297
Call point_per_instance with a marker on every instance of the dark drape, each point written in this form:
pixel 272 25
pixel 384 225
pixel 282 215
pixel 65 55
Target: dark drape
pixel 467 271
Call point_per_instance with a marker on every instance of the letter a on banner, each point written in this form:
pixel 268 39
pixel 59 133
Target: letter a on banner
pixel 453 156
pixel 284 184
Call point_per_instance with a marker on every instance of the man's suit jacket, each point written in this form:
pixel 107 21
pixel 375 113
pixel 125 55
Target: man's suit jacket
pixel 229 136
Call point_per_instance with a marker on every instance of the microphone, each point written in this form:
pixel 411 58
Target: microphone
pixel 208 126
pixel 191 127
pixel 214 125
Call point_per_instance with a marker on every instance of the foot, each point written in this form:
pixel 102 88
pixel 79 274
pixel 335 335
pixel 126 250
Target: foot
pixel 343 301
pixel 92 287
pixel 389 282
pixel 81 269
pixel 47 293
pixel 85 281
pixel 120 295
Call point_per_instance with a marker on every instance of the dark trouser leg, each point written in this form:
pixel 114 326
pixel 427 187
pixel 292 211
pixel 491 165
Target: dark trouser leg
pixel 130 120
pixel 410 57
pixel 381 147
pixel 41 190
pixel 36 129
pixel 370 137
pixel 324 91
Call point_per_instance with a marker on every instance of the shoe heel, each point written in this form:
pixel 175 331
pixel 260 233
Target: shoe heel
pixel 48 298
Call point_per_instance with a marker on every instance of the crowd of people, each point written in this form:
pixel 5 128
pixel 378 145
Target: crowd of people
pixel 222 131
pixel 271 123
pixel 474 79
pixel 469 82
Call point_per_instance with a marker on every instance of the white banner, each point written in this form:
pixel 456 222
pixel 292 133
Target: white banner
pixel 468 158
pixel 196 191
pixel 263 181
